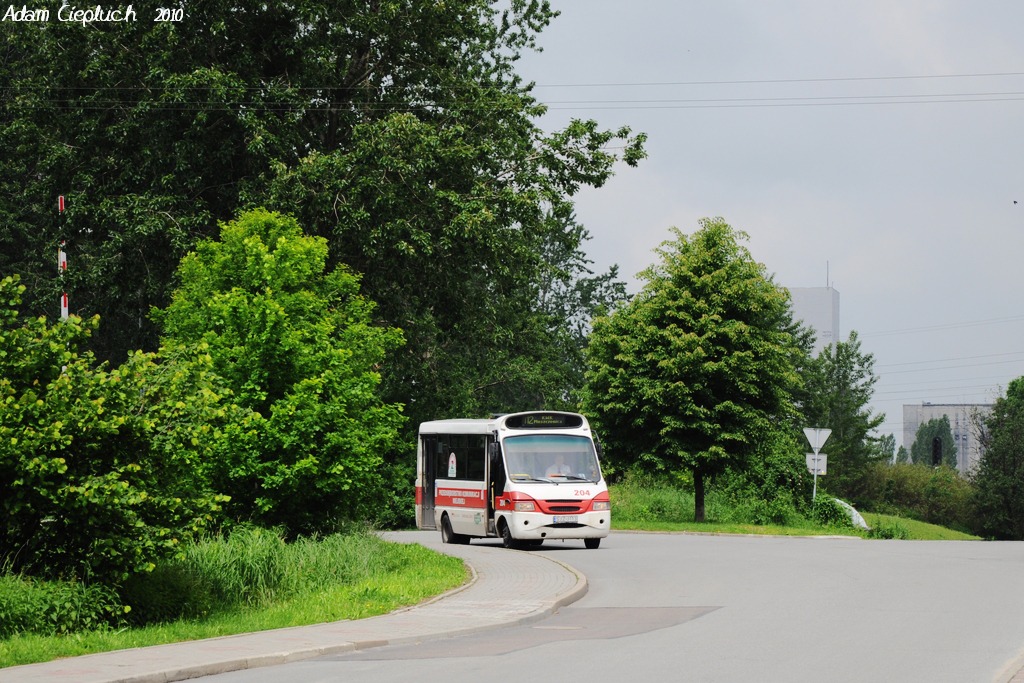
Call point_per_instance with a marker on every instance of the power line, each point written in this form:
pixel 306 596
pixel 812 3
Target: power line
pixel 770 105
pixel 945 326
pixel 957 358
pixel 837 79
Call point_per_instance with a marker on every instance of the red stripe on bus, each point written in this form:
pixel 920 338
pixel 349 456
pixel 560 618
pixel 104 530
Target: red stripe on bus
pixel 451 496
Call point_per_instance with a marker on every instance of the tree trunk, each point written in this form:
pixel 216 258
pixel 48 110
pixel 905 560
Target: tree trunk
pixel 698 496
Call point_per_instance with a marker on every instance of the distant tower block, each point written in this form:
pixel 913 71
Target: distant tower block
pixel 818 307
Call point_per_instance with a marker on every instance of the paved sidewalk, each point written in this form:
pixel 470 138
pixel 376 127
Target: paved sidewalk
pixel 508 587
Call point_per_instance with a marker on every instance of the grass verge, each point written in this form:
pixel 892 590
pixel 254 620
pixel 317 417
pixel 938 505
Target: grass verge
pixel 337 578
pixel 645 507
pixel 914 530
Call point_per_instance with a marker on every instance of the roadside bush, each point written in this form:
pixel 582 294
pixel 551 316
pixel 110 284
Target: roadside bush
pixel 889 530
pixel 771 488
pixel 642 497
pixel 937 495
pixel 826 511
pixel 55 607
pixel 170 592
pixel 778 510
pixel 96 466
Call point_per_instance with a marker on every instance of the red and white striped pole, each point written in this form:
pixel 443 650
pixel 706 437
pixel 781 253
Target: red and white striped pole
pixel 62 263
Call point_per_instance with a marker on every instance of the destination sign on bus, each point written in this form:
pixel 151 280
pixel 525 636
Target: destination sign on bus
pixel 545 421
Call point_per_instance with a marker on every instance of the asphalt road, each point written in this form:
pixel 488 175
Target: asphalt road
pixel 735 608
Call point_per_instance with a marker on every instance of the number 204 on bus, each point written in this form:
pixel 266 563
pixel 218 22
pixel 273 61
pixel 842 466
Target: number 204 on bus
pixel 525 478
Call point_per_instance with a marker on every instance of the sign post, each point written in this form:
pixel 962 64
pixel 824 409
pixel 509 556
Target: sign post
pixel 62 262
pixel 816 463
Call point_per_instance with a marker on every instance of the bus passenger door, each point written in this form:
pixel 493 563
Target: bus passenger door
pixel 431 447
pixel 495 481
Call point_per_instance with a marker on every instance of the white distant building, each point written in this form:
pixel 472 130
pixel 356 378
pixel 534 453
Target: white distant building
pixel 818 308
pixel 962 422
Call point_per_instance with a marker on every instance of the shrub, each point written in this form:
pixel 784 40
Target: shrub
pixel 170 592
pixel 55 607
pixel 770 488
pixel 889 530
pixel 826 511
pixel 778 510
pixel 96 466
pixel 937 495
pixel 646 498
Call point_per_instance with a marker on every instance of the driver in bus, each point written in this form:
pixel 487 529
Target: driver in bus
pixel 559 469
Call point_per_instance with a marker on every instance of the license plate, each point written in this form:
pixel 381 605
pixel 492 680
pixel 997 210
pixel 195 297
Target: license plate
pixel 567 519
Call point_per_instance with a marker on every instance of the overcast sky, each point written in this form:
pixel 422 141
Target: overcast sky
pixel 877 143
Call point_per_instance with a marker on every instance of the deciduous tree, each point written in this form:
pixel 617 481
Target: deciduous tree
pixel 297 346
pixel 699 369
pixel 999 479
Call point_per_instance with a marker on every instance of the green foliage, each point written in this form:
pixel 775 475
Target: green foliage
pixel 642 498
pixel 826 511
pixel 700 367
pixel 55 607
pixel 938 495
pixel 343 576
pixel 399 132
pixel 886 526
pixel 773 486
pixel 838 387
pixel 299 351
pixel 922 450
pixel 999 479
pixel 889 530
pixel 96 466
pixel 254 568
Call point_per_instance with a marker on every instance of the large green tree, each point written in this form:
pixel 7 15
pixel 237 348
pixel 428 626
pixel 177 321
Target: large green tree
pixel 838 387
pixel 397 130
pixel 999 479
pixel 698 370
pixel 297 346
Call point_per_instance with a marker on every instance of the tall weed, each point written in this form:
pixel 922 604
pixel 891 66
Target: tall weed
pixel 55 607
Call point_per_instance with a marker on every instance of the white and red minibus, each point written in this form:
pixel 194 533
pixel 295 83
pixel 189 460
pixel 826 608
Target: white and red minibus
pixel 525 478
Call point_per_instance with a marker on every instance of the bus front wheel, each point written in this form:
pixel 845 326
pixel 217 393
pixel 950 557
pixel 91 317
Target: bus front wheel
pixel 506 538
pixel 592 543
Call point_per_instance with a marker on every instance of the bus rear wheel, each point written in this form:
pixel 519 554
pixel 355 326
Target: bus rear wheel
pixel 592 543
pixel 449 536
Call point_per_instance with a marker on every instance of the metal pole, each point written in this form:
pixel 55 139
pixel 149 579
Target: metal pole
pixel 62 262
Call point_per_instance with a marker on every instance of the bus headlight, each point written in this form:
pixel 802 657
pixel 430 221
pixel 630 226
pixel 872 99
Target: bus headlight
pixel 525 506
pixel 599 505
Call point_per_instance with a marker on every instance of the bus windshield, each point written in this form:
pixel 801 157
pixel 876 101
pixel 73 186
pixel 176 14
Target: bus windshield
pixel 551 458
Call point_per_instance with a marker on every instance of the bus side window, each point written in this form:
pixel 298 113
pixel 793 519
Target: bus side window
pixel 440 459
pixel 476 457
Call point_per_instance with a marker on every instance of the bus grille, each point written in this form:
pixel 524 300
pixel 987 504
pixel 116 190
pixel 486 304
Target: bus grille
pixel 564 508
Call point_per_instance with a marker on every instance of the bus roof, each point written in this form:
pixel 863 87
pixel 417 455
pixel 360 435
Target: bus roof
pixel 489 425
pixel 459 426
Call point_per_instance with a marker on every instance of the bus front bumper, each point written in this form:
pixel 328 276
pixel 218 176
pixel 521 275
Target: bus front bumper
pixel 534 526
